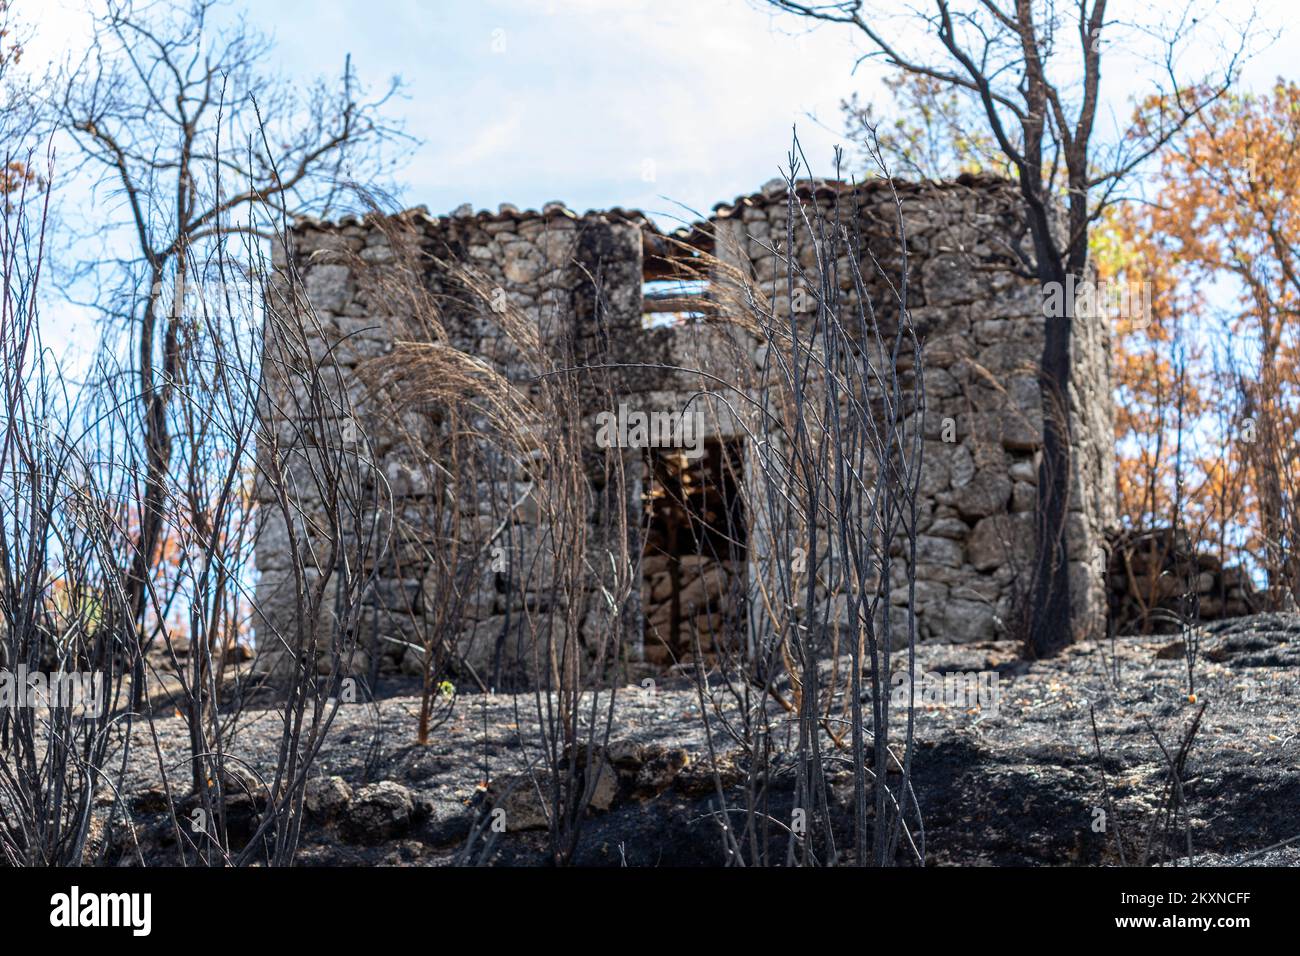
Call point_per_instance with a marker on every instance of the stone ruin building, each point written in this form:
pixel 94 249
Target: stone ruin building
pixel 982 326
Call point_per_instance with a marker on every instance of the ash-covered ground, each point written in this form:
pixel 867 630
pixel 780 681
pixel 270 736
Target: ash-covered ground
pixel 1024 783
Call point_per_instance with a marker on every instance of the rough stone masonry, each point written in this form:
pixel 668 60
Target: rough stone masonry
pixel 982 326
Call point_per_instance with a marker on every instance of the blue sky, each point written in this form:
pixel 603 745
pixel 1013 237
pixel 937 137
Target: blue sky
pixel 593 102
pixel 655 104
pixel 662 105
pixel 640 103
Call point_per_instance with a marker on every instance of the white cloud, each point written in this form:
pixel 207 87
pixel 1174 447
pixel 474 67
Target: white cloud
pixel 582 97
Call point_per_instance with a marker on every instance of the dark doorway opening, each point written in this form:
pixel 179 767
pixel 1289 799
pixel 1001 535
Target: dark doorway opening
pixel 694 582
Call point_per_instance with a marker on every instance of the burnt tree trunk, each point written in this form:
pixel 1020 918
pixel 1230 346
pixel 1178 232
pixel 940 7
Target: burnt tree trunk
pixel 1050 622
pixel 1050 613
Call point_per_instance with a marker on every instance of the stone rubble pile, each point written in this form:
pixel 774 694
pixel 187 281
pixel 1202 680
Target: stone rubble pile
pixel 1157 579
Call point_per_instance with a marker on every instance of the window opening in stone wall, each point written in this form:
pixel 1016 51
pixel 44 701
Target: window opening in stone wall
pixel 674 282
pixel 672 301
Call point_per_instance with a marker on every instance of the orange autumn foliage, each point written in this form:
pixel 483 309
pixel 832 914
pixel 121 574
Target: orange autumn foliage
pixel 13 173
pixel 1219 244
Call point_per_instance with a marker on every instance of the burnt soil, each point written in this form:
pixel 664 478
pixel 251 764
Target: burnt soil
pixel 1022 784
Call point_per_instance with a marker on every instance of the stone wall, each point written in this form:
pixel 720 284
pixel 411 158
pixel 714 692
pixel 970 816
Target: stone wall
pixel 981 324
pixel 359 280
